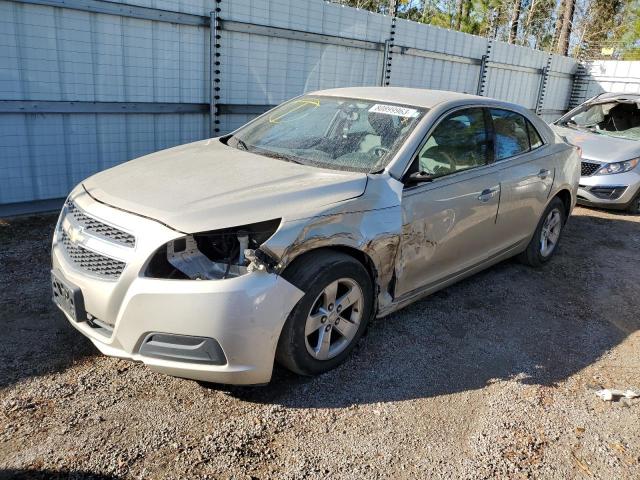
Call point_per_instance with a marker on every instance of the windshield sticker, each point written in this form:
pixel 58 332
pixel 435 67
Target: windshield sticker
pixel 394 110
pixel 300 107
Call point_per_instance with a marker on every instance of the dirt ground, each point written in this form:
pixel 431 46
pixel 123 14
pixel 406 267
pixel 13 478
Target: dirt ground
pixel 494 377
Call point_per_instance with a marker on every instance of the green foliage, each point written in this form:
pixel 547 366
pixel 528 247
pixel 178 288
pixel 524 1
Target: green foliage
pixel 630 49
pixel 598 28
pixel 596 24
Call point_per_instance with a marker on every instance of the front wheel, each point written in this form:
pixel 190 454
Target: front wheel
pixel 547 235
pixel 634 206
pixel 327 322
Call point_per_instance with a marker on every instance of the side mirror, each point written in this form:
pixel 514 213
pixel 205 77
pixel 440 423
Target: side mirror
pixel 419 177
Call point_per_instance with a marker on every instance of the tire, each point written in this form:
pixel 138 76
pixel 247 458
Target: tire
pixel 634 206
pixel 305 349
pixel 537 252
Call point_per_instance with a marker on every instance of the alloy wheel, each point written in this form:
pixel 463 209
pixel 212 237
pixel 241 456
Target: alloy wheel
pixel 334 319
pixel 550 233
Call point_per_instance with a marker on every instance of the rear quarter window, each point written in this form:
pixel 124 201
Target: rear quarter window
pixel 534 136
pixel 511 133
pixel 514 134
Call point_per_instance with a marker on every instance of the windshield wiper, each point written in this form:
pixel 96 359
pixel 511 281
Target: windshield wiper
pixel 240 143
pixel 280 156
pixel 574 126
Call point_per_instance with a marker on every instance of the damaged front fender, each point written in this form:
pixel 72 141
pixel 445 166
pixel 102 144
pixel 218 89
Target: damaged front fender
pixel 371 224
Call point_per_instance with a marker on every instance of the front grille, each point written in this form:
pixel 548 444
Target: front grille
pixel 92 262
pixel 96 227
pixel 589 168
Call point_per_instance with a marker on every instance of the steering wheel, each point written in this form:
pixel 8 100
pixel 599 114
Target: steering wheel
pixel 443 157
pixel 378 151
pixel 450 160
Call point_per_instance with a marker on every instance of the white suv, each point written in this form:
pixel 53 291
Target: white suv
pixel 607 128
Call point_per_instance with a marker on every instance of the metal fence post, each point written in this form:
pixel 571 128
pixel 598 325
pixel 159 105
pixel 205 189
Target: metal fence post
pixel 579 86
pixel 214 72
pixel 385 78
pixel 482 76
pixel 386 63
pixel 542 89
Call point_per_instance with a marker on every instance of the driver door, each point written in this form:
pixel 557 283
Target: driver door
pixel 449 223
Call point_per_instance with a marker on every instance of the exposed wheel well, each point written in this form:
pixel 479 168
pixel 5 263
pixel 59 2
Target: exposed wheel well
pixel 363 258
pixel 359 255
pixel 565 196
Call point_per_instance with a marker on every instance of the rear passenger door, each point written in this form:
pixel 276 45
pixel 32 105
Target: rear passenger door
pixel 526 176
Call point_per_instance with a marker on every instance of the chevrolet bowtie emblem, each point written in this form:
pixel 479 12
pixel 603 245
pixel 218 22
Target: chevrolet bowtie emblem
pixel 75 233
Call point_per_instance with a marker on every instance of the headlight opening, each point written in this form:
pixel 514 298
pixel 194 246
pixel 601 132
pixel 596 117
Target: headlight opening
pixel 211 255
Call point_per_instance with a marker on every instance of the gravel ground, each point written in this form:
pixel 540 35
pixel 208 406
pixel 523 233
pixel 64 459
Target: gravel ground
pixel 493 377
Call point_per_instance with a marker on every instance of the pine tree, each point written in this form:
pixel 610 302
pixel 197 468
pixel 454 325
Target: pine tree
pixel 537 31
pixel 515 19
pixel 567 25
pixel 600 27
pixel 552 25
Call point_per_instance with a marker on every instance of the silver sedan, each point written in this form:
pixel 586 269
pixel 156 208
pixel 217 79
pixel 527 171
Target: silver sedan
pixel 281 241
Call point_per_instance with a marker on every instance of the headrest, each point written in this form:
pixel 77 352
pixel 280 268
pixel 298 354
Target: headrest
pixel 449 132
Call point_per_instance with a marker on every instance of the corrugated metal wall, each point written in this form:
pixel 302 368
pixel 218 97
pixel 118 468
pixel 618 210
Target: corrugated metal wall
pixel 268 69
pixel 514 73
pixel 448 71
pixel 611 76
pixel 559 86
pixel 65 55
pixel 88 84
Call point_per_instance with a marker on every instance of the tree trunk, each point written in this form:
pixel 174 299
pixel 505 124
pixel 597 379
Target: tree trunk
pixel 468 6
pixel 515 18
pixel 567 24
pixel 556 31
pixel 494 21
pixel 527 24
pixel 459 7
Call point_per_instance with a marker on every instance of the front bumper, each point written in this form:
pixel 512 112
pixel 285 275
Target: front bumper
pixel 609 191
pixel 244 315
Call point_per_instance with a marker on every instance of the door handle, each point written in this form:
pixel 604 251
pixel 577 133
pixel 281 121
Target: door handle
pixel 487 194
pixel 544 173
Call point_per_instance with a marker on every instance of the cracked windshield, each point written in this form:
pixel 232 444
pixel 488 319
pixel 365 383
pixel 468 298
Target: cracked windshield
pixel 616 119
pixel 330 132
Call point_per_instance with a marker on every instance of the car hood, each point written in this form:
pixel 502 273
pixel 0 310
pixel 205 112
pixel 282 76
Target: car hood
pixel 600 147
pixel 207 185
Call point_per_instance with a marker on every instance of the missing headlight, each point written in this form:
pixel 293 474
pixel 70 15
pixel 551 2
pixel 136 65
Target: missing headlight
pixel 216 254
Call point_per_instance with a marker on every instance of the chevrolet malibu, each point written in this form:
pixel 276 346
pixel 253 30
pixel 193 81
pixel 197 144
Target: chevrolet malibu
pixel 280 241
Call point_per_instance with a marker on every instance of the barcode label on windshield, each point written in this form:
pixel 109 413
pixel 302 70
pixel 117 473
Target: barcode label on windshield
pixel 394 110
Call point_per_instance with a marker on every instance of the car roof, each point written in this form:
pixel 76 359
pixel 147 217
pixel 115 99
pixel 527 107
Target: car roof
pixel 418 97
pixel 424 98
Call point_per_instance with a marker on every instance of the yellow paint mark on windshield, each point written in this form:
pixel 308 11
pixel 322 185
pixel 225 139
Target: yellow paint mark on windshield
pixel 297 105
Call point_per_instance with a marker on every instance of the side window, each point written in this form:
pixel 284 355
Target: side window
pixel 534 137
pixel 511 133
pixel 459 142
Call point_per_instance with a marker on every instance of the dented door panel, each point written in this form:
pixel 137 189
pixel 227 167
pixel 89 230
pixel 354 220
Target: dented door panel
pixel 448 226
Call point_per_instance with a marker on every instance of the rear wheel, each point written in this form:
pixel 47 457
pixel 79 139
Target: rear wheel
pixel 547 235
pixel 328 321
